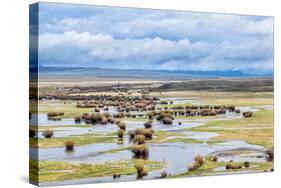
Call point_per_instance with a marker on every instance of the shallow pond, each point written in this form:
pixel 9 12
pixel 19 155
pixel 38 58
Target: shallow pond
pixel 178 156
pixel 177 100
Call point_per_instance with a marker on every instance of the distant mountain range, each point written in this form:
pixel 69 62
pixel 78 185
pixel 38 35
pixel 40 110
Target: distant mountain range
pixel 136 74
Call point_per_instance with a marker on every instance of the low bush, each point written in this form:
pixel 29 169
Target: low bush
pixel 132 134
pixel 167 120
pixel 110 120
pixel 48 133
pixel 150 115
pixel 139 166
pixel 230 166
pixel 270 155
pixel 116 176
pixel 69 145
pixel 194 166
pixel 247 114
pixel 139 139
pixel 77 120
pixel 103 120
pixel 231 108
pixel 122 125
pixel 227 166
pixel 140 150
pixel 214 159
pixel 237 111
pixel 164 114
pixel 54 114
pixel 139 131
pixel 148 125
pixel 163 174
pixel 199 159
pixel 212 113
pixel 148 133
pixel 120 133
pixel 54 118
pixel 246 164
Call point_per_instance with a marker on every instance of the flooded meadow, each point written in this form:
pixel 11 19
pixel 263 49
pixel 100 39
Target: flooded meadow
pixel 165 135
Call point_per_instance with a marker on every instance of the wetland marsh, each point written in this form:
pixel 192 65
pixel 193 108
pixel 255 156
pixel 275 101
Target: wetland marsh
pixel 111 131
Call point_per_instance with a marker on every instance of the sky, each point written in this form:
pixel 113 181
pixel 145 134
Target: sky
pixel 130 38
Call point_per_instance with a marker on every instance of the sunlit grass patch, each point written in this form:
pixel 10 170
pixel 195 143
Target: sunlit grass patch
pixel 66 106
pixel 50 171
pixel 255 130
pixel 79 140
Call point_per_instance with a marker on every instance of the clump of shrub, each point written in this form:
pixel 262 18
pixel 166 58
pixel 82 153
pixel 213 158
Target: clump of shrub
pixel 199 159
pixel 116 176
pixel 231 108
pixel 150 115
pixel 237 111
pixel 110 120
pixel 54 118
pixel 120 133
pixel 167 121
pixel 69 145
pixel 77 120
pixel 48 133
pixel 140 150
pixel 117 121
pixel 132 134
pixel 54 114
pixel 229 166
pixel 212 113
pixel 246 164
pixel 270 154
pixel 164 114
pixel 122 125
pixel 139 131
pixel 214 159
pixel 97 118
pixel 139 166
pixel 163 174
pixel 193 166
pixel 139 139
pixel 247 114
pixel 148 125
pixel 103 120
pixel 32 133
pixel 148 133
pixel 198 162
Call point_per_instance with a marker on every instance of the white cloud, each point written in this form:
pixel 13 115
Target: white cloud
pixel 86 49
pixel 152 39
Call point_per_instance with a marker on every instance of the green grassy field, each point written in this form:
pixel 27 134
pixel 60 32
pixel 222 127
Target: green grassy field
pixel 159 137
pixel 255 130
pixel 78 140
pixel 50 171
pixel 68 107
